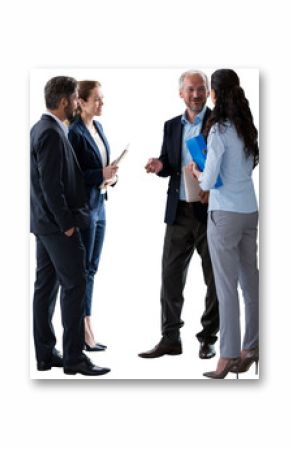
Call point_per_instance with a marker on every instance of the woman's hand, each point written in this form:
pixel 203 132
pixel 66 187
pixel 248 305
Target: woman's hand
pixel 204 196
pixel 110 171
pixel 192 167
pixel 112 181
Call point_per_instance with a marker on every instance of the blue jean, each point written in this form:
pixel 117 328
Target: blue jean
pixel 92 238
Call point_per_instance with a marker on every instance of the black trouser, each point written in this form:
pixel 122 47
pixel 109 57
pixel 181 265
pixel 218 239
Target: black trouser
pixel 60 262
pixel 181 238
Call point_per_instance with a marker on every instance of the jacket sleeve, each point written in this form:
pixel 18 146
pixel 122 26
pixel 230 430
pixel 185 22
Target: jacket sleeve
pixel 50 160
pixel 92 176
pixel 167 169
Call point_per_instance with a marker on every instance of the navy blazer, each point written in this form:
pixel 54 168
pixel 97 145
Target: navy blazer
pixel 57 191
pixel 171 158
pixel 90 160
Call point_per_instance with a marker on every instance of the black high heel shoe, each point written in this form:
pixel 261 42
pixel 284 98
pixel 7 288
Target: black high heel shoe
pixel 231 364
pixel 246 361
pixel 97 347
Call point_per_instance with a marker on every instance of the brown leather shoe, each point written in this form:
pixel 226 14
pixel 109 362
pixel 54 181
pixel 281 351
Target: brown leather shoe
pixel 206 350
pixel 163 348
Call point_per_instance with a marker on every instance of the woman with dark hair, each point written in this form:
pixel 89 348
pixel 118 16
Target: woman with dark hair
pixel 93 153
pixel 233 218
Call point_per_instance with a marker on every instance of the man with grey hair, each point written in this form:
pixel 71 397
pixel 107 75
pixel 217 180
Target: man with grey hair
pixel 190 73
pixel 186 220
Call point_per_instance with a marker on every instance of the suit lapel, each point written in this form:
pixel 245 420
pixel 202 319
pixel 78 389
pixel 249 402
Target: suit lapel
pixel 73 153
pixel 92 142
pixel 178 141
pixel 103 137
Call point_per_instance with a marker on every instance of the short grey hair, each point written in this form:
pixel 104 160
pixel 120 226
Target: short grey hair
pixel 191 73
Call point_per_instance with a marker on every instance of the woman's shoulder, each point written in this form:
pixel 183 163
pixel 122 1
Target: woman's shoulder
pixel 222 128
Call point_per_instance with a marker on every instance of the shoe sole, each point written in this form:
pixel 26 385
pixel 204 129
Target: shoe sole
pixel 44 369
pixel 47 368
pixel 158 356
pixel 94 350
pixel 174 353
pixel 207 357
pixel 73 373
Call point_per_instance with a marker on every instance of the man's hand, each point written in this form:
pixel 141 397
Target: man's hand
pixel 153 166
pixel 70 232
pixel 204 196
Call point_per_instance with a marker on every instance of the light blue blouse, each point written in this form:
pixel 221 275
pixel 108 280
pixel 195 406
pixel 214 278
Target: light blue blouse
pixel 226 157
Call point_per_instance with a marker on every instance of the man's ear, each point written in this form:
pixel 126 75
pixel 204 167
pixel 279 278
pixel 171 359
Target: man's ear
pixel 63 102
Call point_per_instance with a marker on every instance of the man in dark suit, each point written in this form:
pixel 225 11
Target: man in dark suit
pixel 58 210
pixel 186 223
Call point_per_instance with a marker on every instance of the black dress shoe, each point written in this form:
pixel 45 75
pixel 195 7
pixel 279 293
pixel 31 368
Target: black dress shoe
pixel 56 361
pixel 206 350
pixel 163 348
pixel 86 368
pixel 97 347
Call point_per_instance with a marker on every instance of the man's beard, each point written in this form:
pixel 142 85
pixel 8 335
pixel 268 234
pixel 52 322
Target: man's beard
pixel 197 107
pixel 70 113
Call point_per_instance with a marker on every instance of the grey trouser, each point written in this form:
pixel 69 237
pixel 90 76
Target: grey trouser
pixel 232 241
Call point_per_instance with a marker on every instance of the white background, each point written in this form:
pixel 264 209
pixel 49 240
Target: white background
pixel 126 306
pixel 134 413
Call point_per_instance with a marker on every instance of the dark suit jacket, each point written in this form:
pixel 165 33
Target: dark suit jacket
pixel 89 158
pixel 57 192
pixel 171 159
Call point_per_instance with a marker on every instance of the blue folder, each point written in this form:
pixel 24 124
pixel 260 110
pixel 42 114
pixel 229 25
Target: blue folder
pixel 198 151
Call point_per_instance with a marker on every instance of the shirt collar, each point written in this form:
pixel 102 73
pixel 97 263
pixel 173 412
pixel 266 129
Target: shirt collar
pixel 197 120
pixel 61 124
